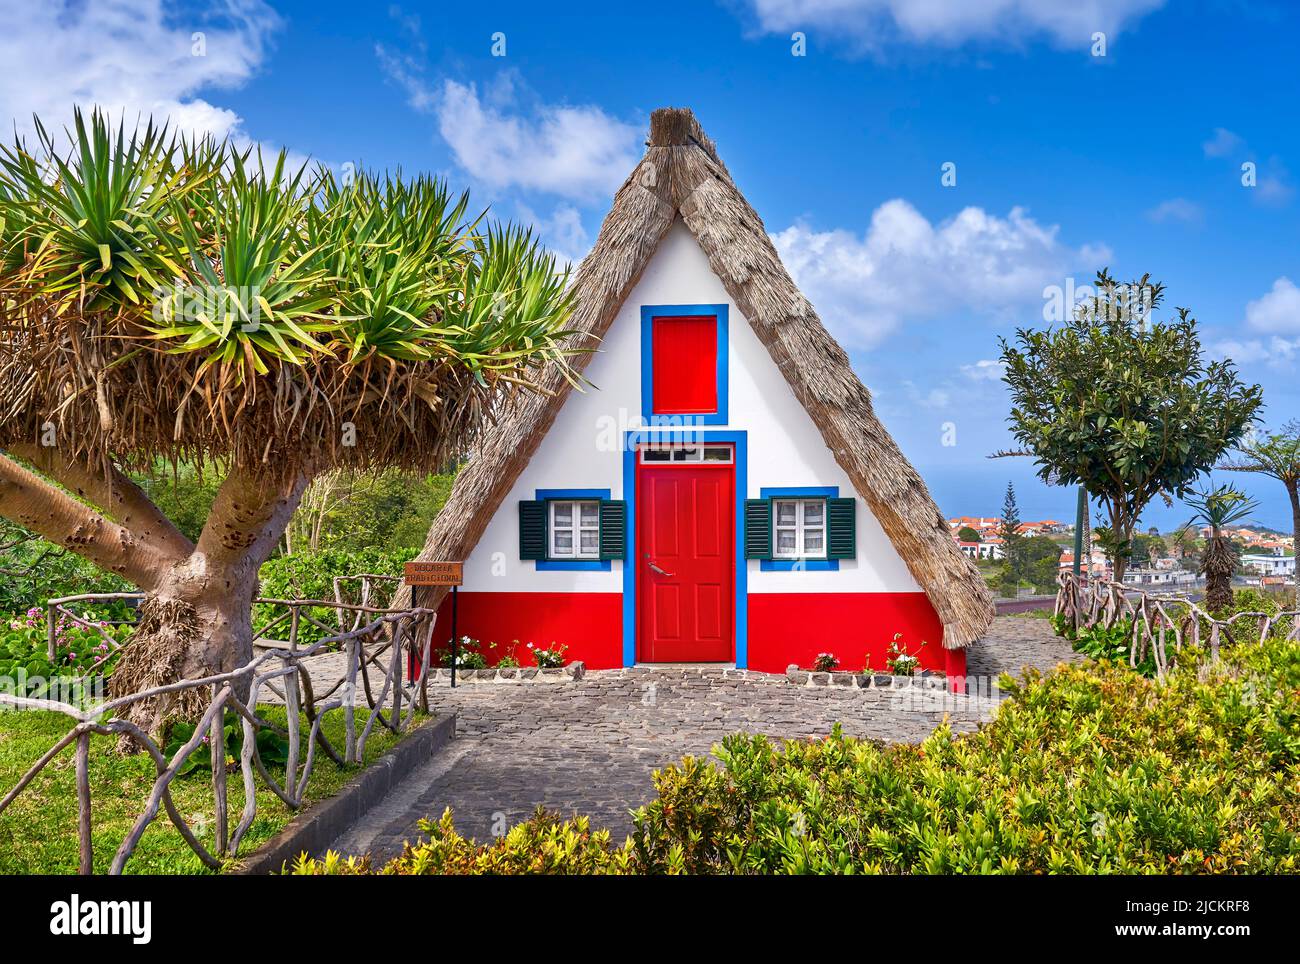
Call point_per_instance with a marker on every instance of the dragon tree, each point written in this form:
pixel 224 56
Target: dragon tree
pixel 166 300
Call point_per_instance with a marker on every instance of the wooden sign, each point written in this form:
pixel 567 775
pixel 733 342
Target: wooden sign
pixel 435 573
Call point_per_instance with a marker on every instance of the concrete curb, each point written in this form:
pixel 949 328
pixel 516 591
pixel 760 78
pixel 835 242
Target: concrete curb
pixel 321 823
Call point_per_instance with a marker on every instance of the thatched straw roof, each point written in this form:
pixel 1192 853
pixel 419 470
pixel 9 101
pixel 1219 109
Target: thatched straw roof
pixel 682 175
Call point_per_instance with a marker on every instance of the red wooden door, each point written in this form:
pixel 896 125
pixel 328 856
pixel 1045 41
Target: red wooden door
pixel 685 556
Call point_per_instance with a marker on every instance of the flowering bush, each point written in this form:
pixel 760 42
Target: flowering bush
pixel 899 661
pixel 78 651
pixel 469 655
pixel 825 662
pixel 549 657
pixel 1089 769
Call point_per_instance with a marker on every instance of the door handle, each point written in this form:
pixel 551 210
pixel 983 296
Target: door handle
pixel 658 570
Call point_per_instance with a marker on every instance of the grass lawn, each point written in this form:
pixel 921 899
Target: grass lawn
pixel 38 833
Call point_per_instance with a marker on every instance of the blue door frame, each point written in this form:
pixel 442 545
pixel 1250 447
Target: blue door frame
pixel 677 436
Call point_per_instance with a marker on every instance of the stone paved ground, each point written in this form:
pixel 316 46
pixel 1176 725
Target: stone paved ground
pixel 590 746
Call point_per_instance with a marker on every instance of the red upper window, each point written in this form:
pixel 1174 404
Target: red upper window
pixel 685 364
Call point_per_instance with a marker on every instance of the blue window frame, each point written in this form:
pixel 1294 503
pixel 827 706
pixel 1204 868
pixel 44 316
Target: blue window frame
pixel 800 492
pixel 648 314
pixel 571 565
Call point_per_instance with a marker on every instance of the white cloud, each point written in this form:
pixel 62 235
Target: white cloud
pixel 1276 352
pixel 576 152
pixel 1176 209
pixel 1277 312
pixel 906 269
pixel 984 370
pixel 1223 143
pixel 873 24
pixel 504 137
pixel 127 56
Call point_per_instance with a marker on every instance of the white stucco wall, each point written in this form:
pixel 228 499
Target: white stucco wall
pixel 582 449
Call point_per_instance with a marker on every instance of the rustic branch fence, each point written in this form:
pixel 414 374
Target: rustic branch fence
pixel 368 643
pixel 1161 625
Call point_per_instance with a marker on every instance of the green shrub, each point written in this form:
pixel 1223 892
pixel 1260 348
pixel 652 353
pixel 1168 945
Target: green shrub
pixel 1089 769
pixel 1254 601
pixel 1111 644
pixel 543 845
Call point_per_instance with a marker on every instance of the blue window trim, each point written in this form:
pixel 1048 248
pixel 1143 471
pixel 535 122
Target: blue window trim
pixel 648 314
pixel 800 492
pixel 570 565
pixel 741 617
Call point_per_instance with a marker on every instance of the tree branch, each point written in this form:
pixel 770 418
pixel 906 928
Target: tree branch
pixel 30 501
pixel 248 517
pixel 114 494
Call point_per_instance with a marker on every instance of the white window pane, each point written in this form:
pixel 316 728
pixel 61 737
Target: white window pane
pixel 812 542
pixel 563 513
pixel 785 513
pixel 812 513
pixel 786 541
pixel 590 540
pixel 590 513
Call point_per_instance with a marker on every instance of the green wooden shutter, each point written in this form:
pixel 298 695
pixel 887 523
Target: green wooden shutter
pixel 532 530
pixel 841 528
pixel 613 529
pixel 758 529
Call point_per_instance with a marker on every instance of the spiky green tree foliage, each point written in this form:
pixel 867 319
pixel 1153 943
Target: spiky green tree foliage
pixel 1217 509
pixel 184 301
pixel 1124 405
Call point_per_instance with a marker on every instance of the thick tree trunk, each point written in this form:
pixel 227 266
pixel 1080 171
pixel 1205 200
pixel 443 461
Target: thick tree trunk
pixel 197 623
pixel 1218 564
pixel 197 620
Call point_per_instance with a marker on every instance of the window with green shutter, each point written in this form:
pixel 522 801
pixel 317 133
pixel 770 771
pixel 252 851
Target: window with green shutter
pixel 572 529
pixel 800 528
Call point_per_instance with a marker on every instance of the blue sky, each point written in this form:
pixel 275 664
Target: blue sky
pixel 1065 161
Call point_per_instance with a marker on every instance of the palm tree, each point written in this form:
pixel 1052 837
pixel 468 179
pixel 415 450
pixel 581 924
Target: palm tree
pixel 188 302
pixel 1217 509
pixel 1276 454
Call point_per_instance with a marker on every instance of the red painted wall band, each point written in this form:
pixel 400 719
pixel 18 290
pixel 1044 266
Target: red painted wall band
pixel 784 628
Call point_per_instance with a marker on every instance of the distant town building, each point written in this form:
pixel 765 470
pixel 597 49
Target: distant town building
pixel 1158 577
pixel 991 548
pixel 1268 564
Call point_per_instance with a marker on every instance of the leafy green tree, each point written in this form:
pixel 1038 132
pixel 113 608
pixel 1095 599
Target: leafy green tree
pixel 1275 454
pixel 967 534
pixel 1219 508
pixel 171 301
pixel 1124 405
pixel 348 510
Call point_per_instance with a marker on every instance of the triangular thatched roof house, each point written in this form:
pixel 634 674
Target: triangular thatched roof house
pixel 592 519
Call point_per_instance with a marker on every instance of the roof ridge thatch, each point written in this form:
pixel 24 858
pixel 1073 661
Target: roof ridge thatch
pixel 682 174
